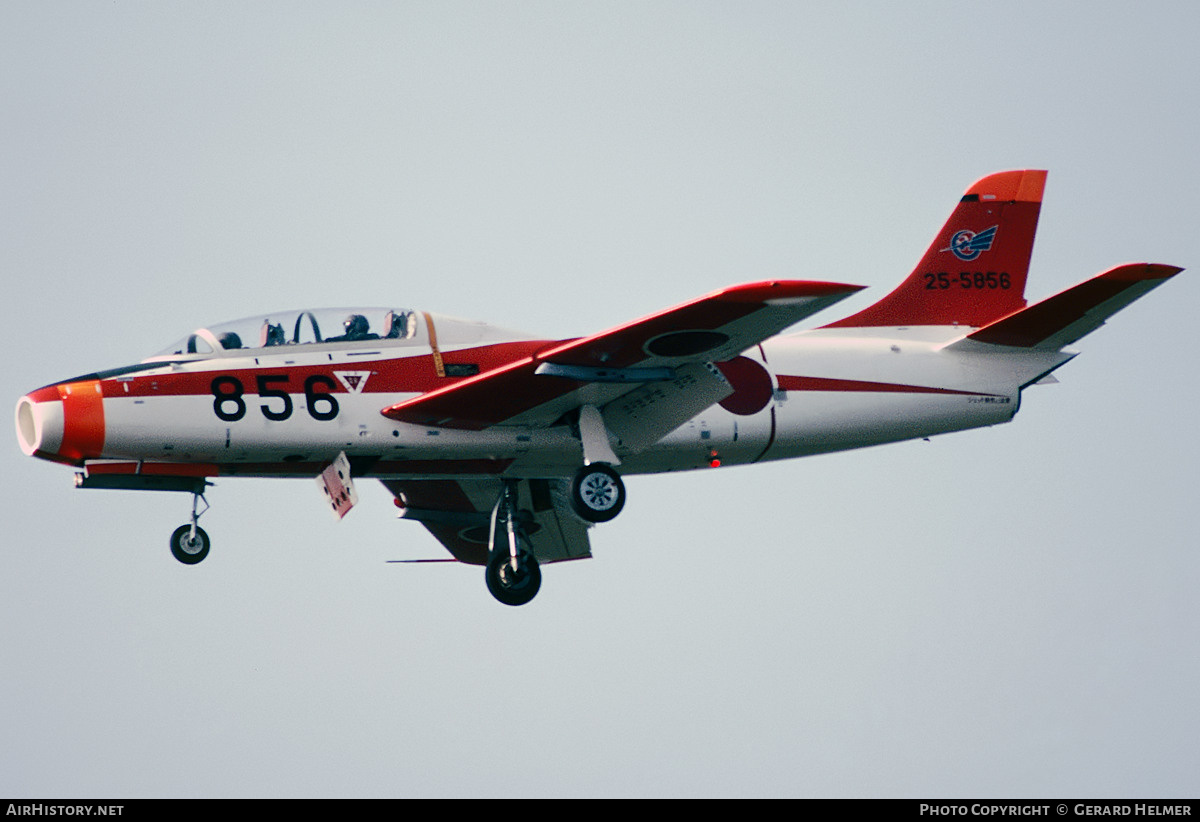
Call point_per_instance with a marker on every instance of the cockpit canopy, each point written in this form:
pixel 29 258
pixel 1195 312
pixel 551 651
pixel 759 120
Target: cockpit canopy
pixel 303 327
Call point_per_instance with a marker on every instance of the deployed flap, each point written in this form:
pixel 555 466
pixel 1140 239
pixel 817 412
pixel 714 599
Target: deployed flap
pixel 647 414
pixel 715 327
pixel 1062 319
pixel 457 513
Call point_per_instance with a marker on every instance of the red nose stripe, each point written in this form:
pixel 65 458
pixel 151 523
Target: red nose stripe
pixel 83 420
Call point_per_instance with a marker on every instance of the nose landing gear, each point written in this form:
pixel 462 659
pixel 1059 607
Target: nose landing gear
pixel 190 543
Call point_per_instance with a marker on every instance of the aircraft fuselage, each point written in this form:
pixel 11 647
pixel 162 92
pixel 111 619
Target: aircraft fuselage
pixel 289 411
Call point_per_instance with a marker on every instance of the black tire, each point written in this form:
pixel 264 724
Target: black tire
pixel 513 588
pixel 597 492
pixel 189 551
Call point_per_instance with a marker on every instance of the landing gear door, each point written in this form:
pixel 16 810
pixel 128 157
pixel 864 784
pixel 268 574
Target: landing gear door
pixel 335 482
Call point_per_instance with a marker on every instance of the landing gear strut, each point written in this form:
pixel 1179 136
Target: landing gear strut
pixel 512 574
pixel 190 543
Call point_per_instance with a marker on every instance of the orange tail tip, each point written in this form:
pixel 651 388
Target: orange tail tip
pixel 1011 186
pixel 975 270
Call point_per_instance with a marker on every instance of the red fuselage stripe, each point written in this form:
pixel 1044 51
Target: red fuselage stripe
pixel 795 383
pixel 411 374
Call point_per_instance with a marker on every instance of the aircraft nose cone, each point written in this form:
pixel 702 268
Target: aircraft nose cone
pixel 63 423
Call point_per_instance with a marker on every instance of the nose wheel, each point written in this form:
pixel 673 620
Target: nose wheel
pixel 190 543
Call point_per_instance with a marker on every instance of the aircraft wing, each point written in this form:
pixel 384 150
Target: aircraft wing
pixel 458 514
pixel 539 389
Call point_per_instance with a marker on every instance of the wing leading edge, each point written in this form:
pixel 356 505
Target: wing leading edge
pixel 538 389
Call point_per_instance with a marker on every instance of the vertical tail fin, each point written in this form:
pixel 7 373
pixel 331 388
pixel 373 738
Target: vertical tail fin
pixel 975 270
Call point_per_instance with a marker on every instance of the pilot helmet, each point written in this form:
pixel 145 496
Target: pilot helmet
pixel 356 325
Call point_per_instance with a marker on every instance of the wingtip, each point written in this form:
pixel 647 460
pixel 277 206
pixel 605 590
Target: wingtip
pixel 1135 272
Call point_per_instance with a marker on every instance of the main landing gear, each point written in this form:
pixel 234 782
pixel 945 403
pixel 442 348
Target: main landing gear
pixel 190 543
pixel 512 574
pixel 597 492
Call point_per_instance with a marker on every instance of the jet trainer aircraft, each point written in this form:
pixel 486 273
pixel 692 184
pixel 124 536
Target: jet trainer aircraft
pixel 507 447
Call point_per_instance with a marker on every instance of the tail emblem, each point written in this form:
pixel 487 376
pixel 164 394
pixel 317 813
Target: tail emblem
pixel 967 245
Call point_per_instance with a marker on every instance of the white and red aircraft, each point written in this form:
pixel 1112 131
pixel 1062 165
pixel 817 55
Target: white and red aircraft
pixel 508 447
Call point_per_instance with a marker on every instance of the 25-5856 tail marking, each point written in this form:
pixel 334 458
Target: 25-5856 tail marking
pixel 968 279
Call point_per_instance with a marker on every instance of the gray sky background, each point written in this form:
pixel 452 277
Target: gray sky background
pixel 1006 612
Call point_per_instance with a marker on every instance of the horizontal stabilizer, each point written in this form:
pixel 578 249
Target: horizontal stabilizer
pixel 1066 317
